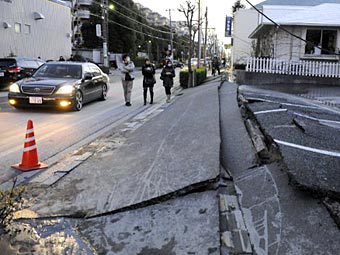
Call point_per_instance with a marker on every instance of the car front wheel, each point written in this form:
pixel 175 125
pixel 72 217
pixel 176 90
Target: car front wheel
pixel 78 101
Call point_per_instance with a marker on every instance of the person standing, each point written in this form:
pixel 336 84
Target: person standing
pixel 148 71
pixel 167 75
pixel 126 68
pixel 216 65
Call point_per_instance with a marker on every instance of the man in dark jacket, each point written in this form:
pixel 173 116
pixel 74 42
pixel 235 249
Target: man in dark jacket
pixel 148 71
pixel 167 75
pixel 216 65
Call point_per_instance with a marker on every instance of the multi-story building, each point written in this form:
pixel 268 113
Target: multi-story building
pixel 35 28
pixel 80 14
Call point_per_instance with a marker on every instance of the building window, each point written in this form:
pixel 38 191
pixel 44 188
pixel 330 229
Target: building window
pixel 325 39
pixel 17 27
pixel 27 29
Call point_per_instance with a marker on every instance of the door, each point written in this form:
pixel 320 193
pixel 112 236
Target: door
pixel 88 87
pixel 97 80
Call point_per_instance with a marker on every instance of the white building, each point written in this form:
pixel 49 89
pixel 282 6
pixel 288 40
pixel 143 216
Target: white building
pixel 319 25
pixel 246 21
pixel 35 28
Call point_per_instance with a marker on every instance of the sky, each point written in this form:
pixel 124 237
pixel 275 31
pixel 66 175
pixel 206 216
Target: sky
pixel 217 10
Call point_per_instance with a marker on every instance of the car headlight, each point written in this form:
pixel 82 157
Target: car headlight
pixel 67 89
pixel 14 88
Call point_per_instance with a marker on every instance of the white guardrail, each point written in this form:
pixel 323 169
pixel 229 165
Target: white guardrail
pixel 302 67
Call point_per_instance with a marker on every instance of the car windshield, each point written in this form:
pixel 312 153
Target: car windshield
pixel 59 71
pixel 7 62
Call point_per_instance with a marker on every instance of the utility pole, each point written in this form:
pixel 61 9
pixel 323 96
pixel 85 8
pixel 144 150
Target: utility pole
pixel 105 14
pixel 205 36
pixel 199 34
pixel 171 36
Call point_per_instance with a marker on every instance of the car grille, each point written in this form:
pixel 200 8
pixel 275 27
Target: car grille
pixel 38 90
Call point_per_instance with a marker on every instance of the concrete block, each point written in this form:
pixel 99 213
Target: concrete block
pixel 227 239
pixel 242 242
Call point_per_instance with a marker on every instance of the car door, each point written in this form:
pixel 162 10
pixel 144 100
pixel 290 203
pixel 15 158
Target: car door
pixel 97 80
pixel 88 85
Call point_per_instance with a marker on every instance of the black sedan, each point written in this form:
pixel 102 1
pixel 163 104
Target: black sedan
pixel 65 85
pixel 16 68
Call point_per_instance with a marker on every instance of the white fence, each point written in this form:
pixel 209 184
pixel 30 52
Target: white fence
pixel 302 67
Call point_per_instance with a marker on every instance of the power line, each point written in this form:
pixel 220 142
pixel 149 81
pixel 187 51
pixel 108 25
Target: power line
pixel 287 31
pixel 132 29
pixel 134 20
pixel 140 23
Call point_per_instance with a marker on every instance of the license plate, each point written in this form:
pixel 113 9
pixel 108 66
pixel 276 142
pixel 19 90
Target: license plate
pixel 2 74
pixel 35 100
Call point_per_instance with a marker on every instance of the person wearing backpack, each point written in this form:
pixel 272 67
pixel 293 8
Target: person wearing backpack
pixel 126 68
pixel 167 75
pixel 148 71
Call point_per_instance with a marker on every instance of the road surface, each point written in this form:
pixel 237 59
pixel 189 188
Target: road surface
pixel 60 132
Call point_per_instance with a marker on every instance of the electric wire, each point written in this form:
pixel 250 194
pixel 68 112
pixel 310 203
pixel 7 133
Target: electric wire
pixel 134 20
pixel 134 30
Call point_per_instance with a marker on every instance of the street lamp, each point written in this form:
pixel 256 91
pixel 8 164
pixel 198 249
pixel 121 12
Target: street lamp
pixel 149 46
pixel 112 7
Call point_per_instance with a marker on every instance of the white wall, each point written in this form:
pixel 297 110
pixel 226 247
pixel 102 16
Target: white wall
pixel 288 47
pixel 245 22
pixel 48 38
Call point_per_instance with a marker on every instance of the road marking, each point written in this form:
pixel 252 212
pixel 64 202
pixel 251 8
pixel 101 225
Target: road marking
pixel 276 102
pixel 271 111
pixel 301 147
pixel 316 119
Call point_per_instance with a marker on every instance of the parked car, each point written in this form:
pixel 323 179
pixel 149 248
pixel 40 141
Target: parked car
pixel 13 69
pixel 177 63
pixel 65 85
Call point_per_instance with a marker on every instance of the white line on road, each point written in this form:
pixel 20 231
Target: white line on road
pixel 271 111
pixel 316 119
pixel 287 104
pixel 301 147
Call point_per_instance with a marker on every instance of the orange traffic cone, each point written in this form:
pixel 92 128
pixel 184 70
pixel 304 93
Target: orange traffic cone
pixel 30 159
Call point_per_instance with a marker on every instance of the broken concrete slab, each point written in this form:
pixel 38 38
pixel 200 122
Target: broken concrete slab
pixel 273 212
pixel 170 152
pixel 183 225
pixel 279 218
pixel 310 149
pixel 239 144
pixel 186 225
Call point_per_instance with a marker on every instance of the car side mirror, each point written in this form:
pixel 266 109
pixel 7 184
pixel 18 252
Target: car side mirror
pixel 87 77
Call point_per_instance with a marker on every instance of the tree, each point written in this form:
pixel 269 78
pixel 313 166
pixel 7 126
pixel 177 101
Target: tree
pixel 238 5
pixel 189 10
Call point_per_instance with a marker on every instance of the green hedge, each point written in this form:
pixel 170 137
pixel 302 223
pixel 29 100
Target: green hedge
pixel 139 62
pixel 201 75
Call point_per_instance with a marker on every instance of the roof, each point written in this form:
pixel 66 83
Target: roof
pixel 297 2
pixel 324 15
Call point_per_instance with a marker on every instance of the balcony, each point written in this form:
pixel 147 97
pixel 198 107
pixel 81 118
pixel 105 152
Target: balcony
pixel 85 2
pixel 83 14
